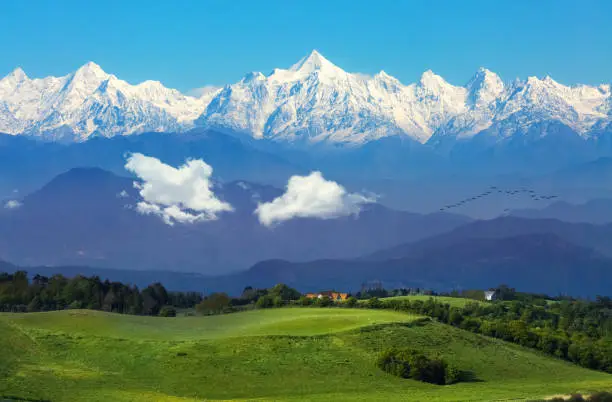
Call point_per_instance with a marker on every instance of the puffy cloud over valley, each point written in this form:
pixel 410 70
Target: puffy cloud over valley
pixel 182 194
pixel 311 196
pixel 12 204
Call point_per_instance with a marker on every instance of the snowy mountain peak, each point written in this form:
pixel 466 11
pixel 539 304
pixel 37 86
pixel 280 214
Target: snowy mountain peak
pixel 382 76
pixel 483 75
pixel 17 75
pixel 315 62
pixel 91 70
pixel 485 87
pixel 432 81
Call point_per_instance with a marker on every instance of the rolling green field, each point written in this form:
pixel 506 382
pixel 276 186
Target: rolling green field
pixel 305 354
pixel 453 301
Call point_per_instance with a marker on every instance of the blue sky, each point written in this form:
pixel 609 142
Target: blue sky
pixel 187 44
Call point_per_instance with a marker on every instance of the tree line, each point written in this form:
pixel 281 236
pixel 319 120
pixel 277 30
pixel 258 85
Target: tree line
pixel 19 293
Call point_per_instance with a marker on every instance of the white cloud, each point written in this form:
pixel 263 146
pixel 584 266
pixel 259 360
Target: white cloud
pixel 123 194
pixel 180 194
pixel 311 197
pixel 12 204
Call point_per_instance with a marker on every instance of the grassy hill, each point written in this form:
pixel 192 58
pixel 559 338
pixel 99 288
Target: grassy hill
pixel 278 354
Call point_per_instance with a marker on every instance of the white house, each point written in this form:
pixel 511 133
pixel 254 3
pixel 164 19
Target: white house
pixel 490 295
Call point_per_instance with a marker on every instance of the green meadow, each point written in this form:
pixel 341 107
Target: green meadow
pixel 452 301
pixel 292 354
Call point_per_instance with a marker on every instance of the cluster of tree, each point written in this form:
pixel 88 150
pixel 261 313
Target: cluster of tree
pixel 276 296
pixel 20 294
pixel 407 363
pixel 579 331
pixel 382 292
pixel 323 301
pixel 215 303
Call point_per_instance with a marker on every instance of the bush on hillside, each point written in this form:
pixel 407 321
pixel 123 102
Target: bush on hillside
pixel 452 375
pixel 395 362
pixel 324 301
pixel 351 302
pixel 284 292
pixel 305 301
pixel 215 303
pixel 374 302
pixel 167 311
pixel 277 301
pixel 407 363
pixel 266 301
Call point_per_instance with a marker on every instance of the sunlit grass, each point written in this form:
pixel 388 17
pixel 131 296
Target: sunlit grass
pixel 295 354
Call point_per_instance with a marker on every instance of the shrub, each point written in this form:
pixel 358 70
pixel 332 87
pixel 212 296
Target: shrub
pixel 278 301
pixel 324 301
pixel 374 302
pixel 265 302
pixel 351 302
pixel 406 363
pixel 305 301
pixel 216 303
pixel 167 311
pixel 452 375
pixel 394 362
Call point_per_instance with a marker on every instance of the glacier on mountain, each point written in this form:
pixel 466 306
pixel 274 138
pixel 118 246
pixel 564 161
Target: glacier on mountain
pixel 314 101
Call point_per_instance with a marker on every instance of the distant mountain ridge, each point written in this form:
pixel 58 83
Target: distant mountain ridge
pixel 533 263
pixel 314 101
pixel 597 238
pixel 86 216
pixel 530 262
pixel 597 211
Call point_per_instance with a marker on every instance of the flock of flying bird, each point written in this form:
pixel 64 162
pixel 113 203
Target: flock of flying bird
pixel 493 189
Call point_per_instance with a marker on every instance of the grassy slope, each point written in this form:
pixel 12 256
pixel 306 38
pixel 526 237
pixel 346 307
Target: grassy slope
pixel 63 356
pixel 453 301
pixel 286 321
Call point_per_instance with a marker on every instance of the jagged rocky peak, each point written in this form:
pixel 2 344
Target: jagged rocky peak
pixel 485 87
pixel 430 79
pixel 315 62
pixel 90 72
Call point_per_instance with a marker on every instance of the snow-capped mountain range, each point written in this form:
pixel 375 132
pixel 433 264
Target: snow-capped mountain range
pixel 311 102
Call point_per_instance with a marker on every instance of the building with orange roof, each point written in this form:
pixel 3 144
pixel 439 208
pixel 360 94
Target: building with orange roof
pixel 335 296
